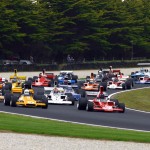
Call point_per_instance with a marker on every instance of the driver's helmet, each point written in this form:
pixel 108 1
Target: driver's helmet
pixel 55 90
pixel 66 77
pixel 26 92
pixel 14 80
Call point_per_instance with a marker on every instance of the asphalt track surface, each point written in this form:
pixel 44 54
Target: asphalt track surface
pixel 129 120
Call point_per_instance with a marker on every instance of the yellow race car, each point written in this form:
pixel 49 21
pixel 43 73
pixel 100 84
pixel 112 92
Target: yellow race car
pixel 17 84
pixel 26 99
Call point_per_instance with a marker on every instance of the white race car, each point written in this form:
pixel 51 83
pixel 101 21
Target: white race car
pixel 56 95
pixel 123 82
pixel 143 80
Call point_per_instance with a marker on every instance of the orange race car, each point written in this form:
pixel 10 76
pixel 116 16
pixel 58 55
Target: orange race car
pixel 92 85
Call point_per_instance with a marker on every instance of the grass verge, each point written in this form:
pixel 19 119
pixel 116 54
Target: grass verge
pixel 21 124
pixel 136 99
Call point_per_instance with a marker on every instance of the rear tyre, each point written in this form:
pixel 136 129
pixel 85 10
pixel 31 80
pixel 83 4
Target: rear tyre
pixel 40 93
pixel 13 101
pixel 124 86
pixel 30 79
pixel 35 78
pixel 8 86
pixel 128 85
pixel 116 101
pixel 83 93
pixel 45 100
pixel 27 85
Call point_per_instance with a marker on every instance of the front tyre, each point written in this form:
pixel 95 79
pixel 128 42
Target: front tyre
pixel 122 106
pixel 89 106
pixel 81 104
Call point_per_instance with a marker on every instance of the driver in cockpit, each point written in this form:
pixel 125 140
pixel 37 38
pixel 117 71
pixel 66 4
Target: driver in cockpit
pixel 55 90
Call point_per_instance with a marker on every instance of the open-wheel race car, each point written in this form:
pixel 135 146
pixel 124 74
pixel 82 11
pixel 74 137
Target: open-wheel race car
pixel 141 73
pixel 92 85
pixel 16 85
pixel 26 99
pixel 44 79
pixel 120 82
pixel 56 95
pixel 143 80
pixel 67 77
pixel 76 93
pixel 101 103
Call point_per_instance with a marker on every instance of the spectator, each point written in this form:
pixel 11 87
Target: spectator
pixel 70 59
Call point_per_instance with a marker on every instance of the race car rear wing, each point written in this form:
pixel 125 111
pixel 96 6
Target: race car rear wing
pixel 16 76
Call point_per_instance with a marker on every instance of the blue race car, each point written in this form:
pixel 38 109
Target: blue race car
pixel 67 78
pixel 143 72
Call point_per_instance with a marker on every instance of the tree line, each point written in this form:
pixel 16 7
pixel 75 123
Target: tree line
pixel 49 30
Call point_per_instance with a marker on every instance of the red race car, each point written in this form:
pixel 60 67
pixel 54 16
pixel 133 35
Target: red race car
pixel 44 79
pixel 101 103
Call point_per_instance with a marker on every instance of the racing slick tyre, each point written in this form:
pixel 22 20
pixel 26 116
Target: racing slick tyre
pixel 80 84
pixel 30 79
pixel 40 93
pixel 128 85
pixel 82 92
pixel 37 97
pixel 8 86
pixel 7 98
pixel 122 106
pixel 27 85
pixel 104 84
pixel 4 91
pixel 89 106
pixel 81 104
pixel 72 100
pixel 45 100
pixel 35 78
pixel 124 86
pixel 69 95
pixel 116 101
pixel 13 101
pixel 75 77
pixel 76 90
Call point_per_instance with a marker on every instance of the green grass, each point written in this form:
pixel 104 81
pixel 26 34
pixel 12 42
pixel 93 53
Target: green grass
pixel 20 124
pixel 136 99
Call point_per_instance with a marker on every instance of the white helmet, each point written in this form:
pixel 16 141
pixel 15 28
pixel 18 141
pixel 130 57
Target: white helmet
pixel 26 92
